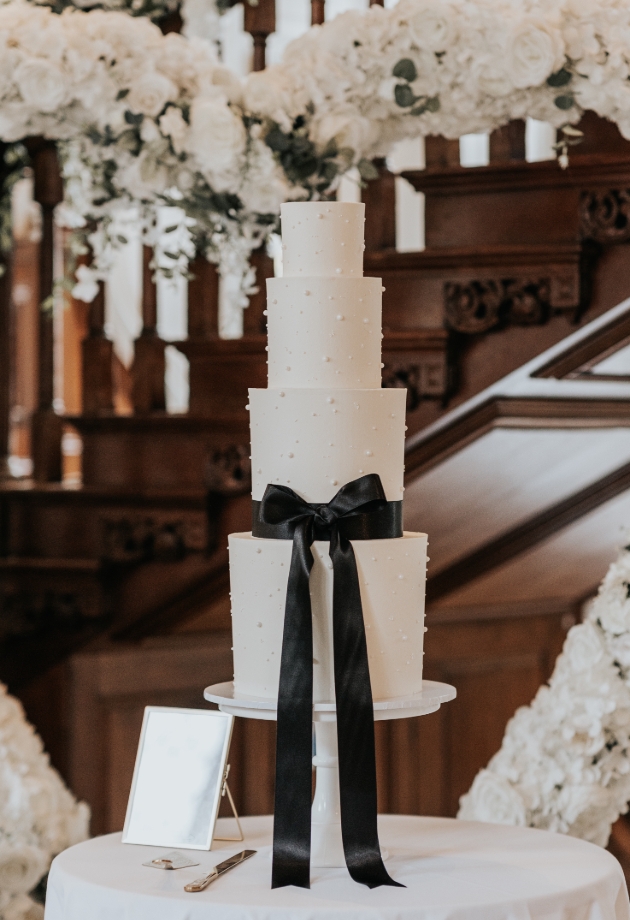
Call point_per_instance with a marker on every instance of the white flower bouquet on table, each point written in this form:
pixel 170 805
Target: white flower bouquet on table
pixel 39 817
pixel 564 764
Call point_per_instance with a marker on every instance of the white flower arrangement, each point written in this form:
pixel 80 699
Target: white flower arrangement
pixel 564 764
pixel 39 816
pixel 152 119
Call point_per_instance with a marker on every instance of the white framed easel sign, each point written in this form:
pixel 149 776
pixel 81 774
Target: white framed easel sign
pixel 179 778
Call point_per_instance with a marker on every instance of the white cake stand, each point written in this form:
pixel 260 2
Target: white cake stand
pixel 326 843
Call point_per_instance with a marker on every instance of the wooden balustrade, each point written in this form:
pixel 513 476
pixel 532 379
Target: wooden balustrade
pixel 508 143
pixel 47 426
pixel 5 341
pixel 318 10
pixel 260 22
pixel 441 152
pixel 96 360
pixel 5 363
pixel 379 196
pixel 149 362
pixel 203 300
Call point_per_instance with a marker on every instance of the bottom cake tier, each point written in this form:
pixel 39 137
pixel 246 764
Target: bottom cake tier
pixel 392 575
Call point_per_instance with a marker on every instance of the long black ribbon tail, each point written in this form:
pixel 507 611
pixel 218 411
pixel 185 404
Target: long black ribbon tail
pixel 294 746
pixel 355 723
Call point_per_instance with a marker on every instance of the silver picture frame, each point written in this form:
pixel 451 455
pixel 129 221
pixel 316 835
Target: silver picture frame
pixel 179 778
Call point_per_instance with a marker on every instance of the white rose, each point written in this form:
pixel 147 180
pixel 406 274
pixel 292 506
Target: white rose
pixel 347 128
pixel 21 867
pixel 534 53
pixel 619 647
pixel 583 647
pixel 173 125
pixel 489 72
pixel 265 94
pixel 217 136
pixel 86 287
pixel 150 93
pixel 492 798
pixel 41 85
pixel 230 83
pixel 21 907
pixel 613 611
pixel 432 28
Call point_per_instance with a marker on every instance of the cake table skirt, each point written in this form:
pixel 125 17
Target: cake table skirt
pixel 453 870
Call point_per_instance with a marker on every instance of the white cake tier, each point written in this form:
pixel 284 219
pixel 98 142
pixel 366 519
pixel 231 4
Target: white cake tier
pixel 322 238
pixel 324 332
pixel 315 441
pixel 392 577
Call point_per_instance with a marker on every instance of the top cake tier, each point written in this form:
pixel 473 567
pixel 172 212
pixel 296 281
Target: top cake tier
pixel 322 239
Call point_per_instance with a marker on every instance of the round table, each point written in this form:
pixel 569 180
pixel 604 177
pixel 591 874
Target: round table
pixel 453 870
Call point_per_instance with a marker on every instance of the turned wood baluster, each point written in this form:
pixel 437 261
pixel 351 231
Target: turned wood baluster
pixel 441 152
pixel 508 143
pixel 254 320
pixel 260 22
pixel 97 355
pixel 317 12
pixel 379 196
pixel 149 362
pixel 5 362
pixel 47 426
pixel 5 343
pixel 203 300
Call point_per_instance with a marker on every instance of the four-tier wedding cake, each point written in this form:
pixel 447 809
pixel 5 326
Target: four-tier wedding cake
pixel 325 421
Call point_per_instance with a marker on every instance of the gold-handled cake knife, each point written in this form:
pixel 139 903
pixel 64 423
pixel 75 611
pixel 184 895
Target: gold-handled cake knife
pixel 202 883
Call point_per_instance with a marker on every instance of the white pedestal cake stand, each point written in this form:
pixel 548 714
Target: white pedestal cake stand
pixel 326 844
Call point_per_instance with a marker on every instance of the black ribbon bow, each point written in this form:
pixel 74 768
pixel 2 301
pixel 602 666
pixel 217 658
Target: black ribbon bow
pixel 360 509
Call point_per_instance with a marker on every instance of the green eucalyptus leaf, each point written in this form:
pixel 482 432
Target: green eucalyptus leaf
pixel 419 109
pixel 560 78
pixel 433 104
pixel 277 140
pixel 404 95
pixel 367 169
pixel 132 119
pixel 405 70
pixel 564 102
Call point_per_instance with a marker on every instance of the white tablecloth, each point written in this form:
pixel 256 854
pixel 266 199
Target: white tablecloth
pixel 453 870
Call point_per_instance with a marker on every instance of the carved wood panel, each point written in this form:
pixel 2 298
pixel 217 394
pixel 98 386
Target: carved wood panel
pixel 605 215
pixel 424 765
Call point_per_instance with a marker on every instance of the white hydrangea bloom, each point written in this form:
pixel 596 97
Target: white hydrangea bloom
pixel 39 817
pixel 566 757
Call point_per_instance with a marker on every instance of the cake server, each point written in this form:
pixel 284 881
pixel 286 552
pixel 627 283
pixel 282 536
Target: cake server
pixel 202 883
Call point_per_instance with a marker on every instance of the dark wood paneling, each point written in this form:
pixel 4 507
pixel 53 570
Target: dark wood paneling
pixel 424 764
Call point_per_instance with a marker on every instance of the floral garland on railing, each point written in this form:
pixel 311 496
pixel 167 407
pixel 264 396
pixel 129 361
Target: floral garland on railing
pixel 564 764
pixel 154 119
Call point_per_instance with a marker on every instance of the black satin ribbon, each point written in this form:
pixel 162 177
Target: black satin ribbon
pixel 359 507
